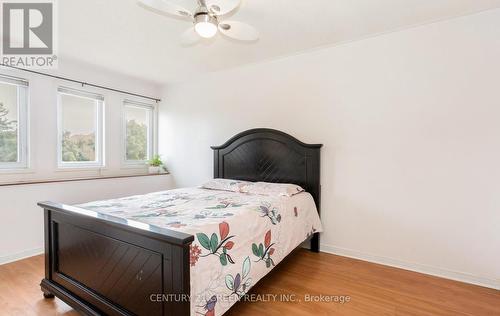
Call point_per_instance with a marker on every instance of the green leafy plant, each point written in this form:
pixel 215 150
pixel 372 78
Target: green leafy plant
pixel 155 161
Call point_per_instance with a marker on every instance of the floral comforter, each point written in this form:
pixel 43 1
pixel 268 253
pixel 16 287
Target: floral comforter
pixel 239 237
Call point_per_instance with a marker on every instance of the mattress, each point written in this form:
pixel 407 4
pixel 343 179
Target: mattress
pixel 239 237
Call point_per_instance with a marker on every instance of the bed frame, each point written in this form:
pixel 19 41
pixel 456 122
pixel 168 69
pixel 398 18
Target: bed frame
pixel 101 264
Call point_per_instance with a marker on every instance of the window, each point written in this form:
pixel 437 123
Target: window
pixel 80 129
pixel 138 119
pixel 13 123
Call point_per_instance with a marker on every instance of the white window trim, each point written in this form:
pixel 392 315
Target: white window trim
pixel 22 125
pixel 152 133
pixel 99 137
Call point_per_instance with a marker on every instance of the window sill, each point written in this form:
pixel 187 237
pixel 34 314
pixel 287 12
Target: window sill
pixel 61 168
pixel 7 171
pixel 143 167
pixel 131 165
pixel 28 182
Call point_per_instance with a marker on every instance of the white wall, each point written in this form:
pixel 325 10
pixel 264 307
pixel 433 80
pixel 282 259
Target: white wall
pixel 21 225
pixel 21 221
pixel 411 127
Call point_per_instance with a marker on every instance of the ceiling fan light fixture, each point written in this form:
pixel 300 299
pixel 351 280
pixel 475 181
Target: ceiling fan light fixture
pixel 208 19
pixel 205 25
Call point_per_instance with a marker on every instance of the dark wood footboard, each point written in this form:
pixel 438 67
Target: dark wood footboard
pixel 103 265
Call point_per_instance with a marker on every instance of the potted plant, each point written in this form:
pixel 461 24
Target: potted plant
pixel 155 164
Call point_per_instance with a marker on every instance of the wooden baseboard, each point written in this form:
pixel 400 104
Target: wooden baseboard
pixel 416 267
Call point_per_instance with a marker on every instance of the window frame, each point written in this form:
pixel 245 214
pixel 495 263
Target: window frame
pixel 22 100
pixel 152 148
pixel 99 134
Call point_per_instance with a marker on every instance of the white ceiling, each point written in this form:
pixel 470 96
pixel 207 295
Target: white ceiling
pixel 121 36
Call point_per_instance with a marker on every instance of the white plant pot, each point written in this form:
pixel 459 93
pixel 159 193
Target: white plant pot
pixel 154 170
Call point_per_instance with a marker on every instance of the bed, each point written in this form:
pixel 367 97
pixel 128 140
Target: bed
pixel 187 251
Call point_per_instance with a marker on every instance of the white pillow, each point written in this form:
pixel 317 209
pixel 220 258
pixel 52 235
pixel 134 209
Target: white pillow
pixel 262 188
pixel 273 189
pixel 226 185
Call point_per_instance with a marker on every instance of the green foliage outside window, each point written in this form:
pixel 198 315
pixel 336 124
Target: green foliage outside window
pixel 78 147
pixel 137 141
pixel 8 137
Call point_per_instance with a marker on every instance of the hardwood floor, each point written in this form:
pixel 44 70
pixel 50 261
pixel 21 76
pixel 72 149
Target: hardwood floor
pixel 373 290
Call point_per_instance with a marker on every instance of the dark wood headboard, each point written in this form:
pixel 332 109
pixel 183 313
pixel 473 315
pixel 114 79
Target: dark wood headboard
pixel 269 155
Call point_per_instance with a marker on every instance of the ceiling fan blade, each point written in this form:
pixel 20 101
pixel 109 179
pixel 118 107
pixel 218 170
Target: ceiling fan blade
pixel 221 7
pixel 238 30
pixel 190 37
pixel 166 7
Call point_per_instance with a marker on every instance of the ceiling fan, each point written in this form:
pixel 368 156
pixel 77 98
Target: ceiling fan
pixel 207 19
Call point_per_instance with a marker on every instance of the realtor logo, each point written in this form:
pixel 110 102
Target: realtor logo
pixel 28 30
